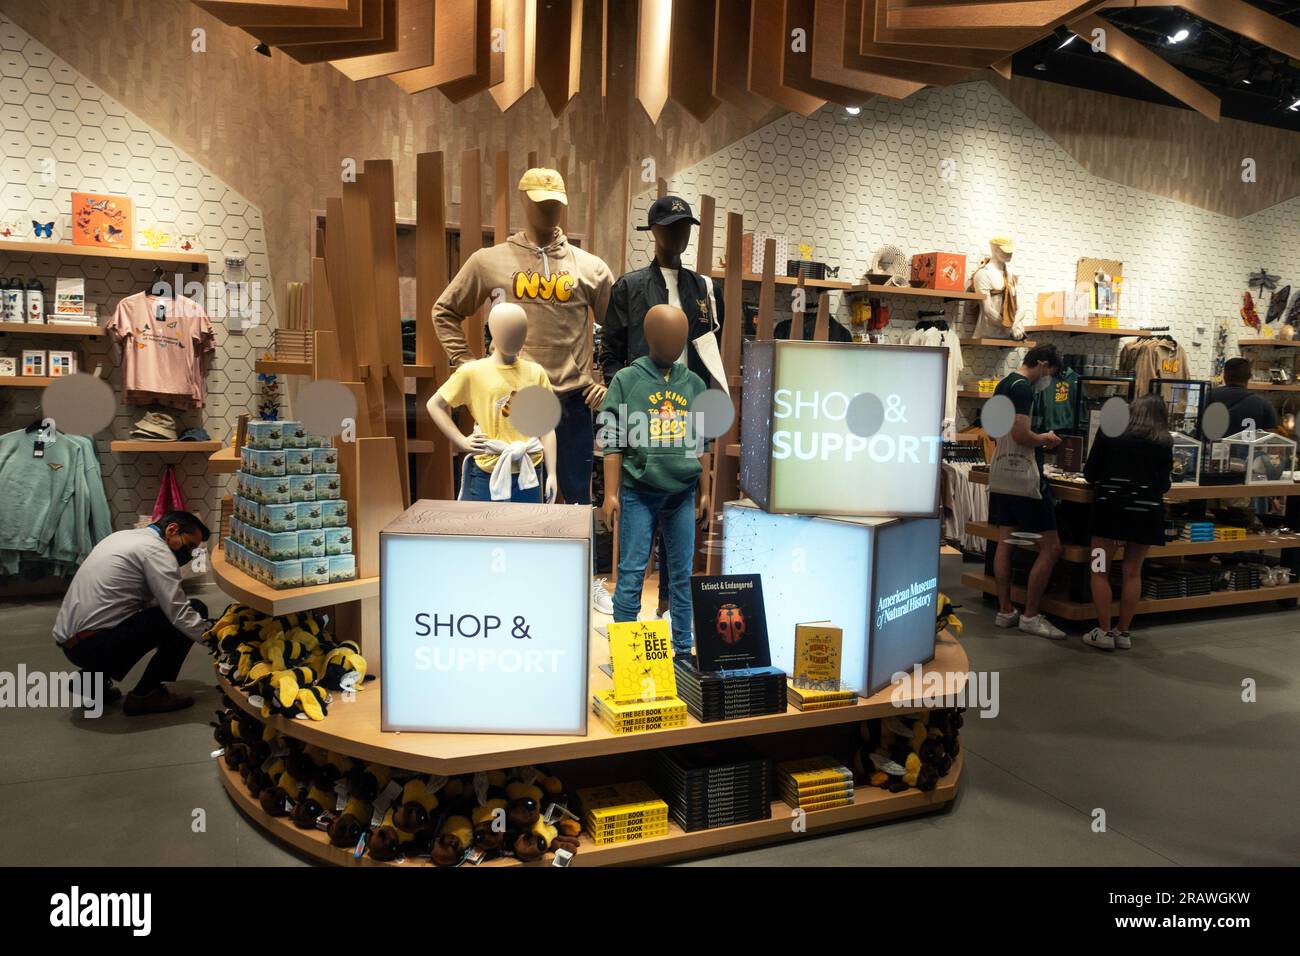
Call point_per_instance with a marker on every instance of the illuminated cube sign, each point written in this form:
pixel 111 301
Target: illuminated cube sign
pixel 484 618
pixel 877 578
pixel 834 428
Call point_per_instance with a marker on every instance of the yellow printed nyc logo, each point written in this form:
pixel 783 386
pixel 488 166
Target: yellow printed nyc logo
pixel 534 285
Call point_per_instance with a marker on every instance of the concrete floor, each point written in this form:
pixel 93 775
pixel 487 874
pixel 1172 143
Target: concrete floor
pixel 1157 737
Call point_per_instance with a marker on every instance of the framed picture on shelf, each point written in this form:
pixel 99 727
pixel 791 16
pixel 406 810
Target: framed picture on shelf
pixel 33 361
pixel 8 366
pixel 69 295
pixel 100 220
pixel 62 363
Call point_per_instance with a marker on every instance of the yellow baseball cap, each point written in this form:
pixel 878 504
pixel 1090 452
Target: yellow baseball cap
pixel 1004 243
pixel 544 185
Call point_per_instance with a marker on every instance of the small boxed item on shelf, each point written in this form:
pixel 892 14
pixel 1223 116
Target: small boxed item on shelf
pixel 62 363
pixel 268 490
pixel 261 463
pixel 286 574
pixel 265 435
pixel 308 514
pixel 939 270
pixel 277 518
pixel 328 487
pixel 311 544
pixel 298 461
pixel 325 461
pixel 284 546
pixel 302 488
pixel 315 572
pixel 8 366
pixel 342 567
pixel 338 541
pixel 33 362
pixel 292 435
pixel 333 514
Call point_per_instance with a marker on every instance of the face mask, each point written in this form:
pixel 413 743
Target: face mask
pixel 182 557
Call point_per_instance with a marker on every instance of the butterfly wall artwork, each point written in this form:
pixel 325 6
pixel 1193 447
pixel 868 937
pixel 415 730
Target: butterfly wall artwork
pixel 99 220
pixel 153 238
pixel 43 230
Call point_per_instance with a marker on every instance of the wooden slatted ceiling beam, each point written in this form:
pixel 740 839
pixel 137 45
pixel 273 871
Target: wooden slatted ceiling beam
pixel 731 58
pixel 653 42
pixel 877 28
pixel 1000 14
pixel 361 288
pixel 253 13
pixel 1248 21
pixel 860 12
pixel 559 51
pixel 797 67
pixel 307 53
pixel 370 28
pixel 767 43
pixel 414 45
pixel 520 42
pixel 690 60
pixel 835 59
pixel 461 33
pixel 1124 49
pixel 336 267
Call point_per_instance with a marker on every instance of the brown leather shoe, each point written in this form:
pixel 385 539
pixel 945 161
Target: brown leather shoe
pixel 161 701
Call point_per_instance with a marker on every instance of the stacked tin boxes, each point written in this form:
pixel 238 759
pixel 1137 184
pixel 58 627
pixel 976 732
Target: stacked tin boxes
pixel 289 526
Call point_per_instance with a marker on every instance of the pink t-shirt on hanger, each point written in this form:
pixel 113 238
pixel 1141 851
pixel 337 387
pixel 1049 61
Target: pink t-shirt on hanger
pixel 164 343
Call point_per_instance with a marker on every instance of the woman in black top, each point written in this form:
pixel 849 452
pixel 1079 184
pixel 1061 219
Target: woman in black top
pixel 1129 475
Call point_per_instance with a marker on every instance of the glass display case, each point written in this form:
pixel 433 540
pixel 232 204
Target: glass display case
pixel 1184 400
pixel 1257 456
pixel 1187 460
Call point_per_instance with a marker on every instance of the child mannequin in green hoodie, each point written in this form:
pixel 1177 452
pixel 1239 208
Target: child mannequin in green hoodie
pixel 655 465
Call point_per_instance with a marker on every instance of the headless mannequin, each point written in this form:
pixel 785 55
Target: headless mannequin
pixel 508 325
pixel 666 329
pixel 992 279
pixel 543 221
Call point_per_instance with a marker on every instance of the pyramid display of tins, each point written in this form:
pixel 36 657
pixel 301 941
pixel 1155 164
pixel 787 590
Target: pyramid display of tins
pixel 289 525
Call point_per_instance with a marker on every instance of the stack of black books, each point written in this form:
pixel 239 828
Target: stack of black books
pixel 714 785
pixel 727 695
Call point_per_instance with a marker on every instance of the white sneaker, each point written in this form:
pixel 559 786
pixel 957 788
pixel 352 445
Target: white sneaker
pixel 1122 639
pixel 1104 640
pixel 1041 626
pixel 1007 620
pixel 600 599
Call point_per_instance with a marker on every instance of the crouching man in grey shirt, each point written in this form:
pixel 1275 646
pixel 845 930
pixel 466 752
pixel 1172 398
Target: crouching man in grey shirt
pixel 125 601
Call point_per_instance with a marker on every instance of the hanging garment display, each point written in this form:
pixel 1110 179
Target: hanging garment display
pixel 165 342
pixel 1152 358
pixel 169 495
pixel 55 507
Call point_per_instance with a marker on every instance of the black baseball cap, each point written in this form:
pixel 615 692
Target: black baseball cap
pixel 667 210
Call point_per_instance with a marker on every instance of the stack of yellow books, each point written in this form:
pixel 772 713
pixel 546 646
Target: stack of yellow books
pixel 622 811
pixel 641 715
pixel 1228 533
pixel 1107 322
pixel 814 783
pixel 988 385
pixel 806 698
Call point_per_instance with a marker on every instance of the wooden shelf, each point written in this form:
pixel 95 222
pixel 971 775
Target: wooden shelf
pixel 971 393
pixel 871 288
pixel 223 461
pixel 255 594
pixel 1087 330
pixel 52 328
pixel 1269 387
pixel 275 367
pixel 1268 343
pixel 100 252
pixel 417 371
pixel 1080 611
pixel 834 285
pixel 143 447
pixel 870 805
pixel 1076 491
pixel 24 381
pixel 997 343
pixel 732 451
pixel 1082 554
pixel 352 727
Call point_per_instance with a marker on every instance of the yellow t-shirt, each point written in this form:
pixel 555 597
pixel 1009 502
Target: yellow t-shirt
pixel 487 387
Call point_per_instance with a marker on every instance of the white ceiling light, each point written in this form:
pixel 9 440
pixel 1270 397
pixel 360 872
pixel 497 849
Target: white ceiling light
pixel 1180 36
pixel 1068 40
pixel 853 110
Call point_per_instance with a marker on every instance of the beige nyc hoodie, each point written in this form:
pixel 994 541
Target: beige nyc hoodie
pixel 555 284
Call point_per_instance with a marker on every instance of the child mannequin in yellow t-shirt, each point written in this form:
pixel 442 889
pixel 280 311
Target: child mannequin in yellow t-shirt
pixel 487 387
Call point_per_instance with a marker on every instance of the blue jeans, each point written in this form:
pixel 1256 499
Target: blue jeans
pixel 574 441
pixel 477 487
pixel 674 514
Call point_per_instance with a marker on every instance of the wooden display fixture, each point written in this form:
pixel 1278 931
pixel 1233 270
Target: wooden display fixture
pixel 997 343
pixel 1063 607
pixel 1271 387
pixel 248 590
pixel 53 328
pixel 24 381
pixel 224 461
pixel 971 393
pixel 1082 554
pixel 1068 329
pixel 277 367
pixel 870 805
pixel 1075 491
pixel 872 288
pixel 145 447
pixel 1268 343
pixel 834 285
pixel 195 260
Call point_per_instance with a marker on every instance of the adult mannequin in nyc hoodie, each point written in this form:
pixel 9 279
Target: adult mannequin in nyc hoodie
pixel 656 467
pixel 556 284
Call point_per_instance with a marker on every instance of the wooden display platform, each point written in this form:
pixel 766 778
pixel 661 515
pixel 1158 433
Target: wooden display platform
pixel 255 594
pixel 352 728
pixel 103 252
pixel 1081 554
pixel 52 328
pixel 1269 387
pixel 25 381
pixel 834 285
pixel 223 461
pixel 870 805
pixel 1076 491
pixel 1086 611
pixel 143 446
pixel 871 288
pixel 997 343
pixel 1068 329
pixel 1268 343
pixel 277 367
pixel 972 393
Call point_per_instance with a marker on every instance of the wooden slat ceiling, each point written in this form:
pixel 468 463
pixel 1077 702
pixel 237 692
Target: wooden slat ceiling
pixel 797 54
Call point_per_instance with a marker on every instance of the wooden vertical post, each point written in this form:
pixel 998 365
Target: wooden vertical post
pixel 501 200
pixel 725 485
pixel 589 240
pixel 822 328
pixel 704 245
pixel 434 476
pixel 767 291
pixel 336 268
pixel 361 287
pixel 471 235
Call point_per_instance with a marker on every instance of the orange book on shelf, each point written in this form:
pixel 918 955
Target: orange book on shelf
pixel 99 220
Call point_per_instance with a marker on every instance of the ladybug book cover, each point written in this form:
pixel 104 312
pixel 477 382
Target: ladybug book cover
pixel 730 622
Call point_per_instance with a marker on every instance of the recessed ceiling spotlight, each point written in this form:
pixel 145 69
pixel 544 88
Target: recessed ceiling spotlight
pixel 1180 36
pixel 1068 40
pixel 263 49
pixel 1295 107
pixel 853 110
pixel 1041 66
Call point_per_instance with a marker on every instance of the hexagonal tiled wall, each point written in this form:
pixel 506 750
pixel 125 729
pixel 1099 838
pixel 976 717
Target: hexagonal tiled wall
pixel 48 111
pixel 848 185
